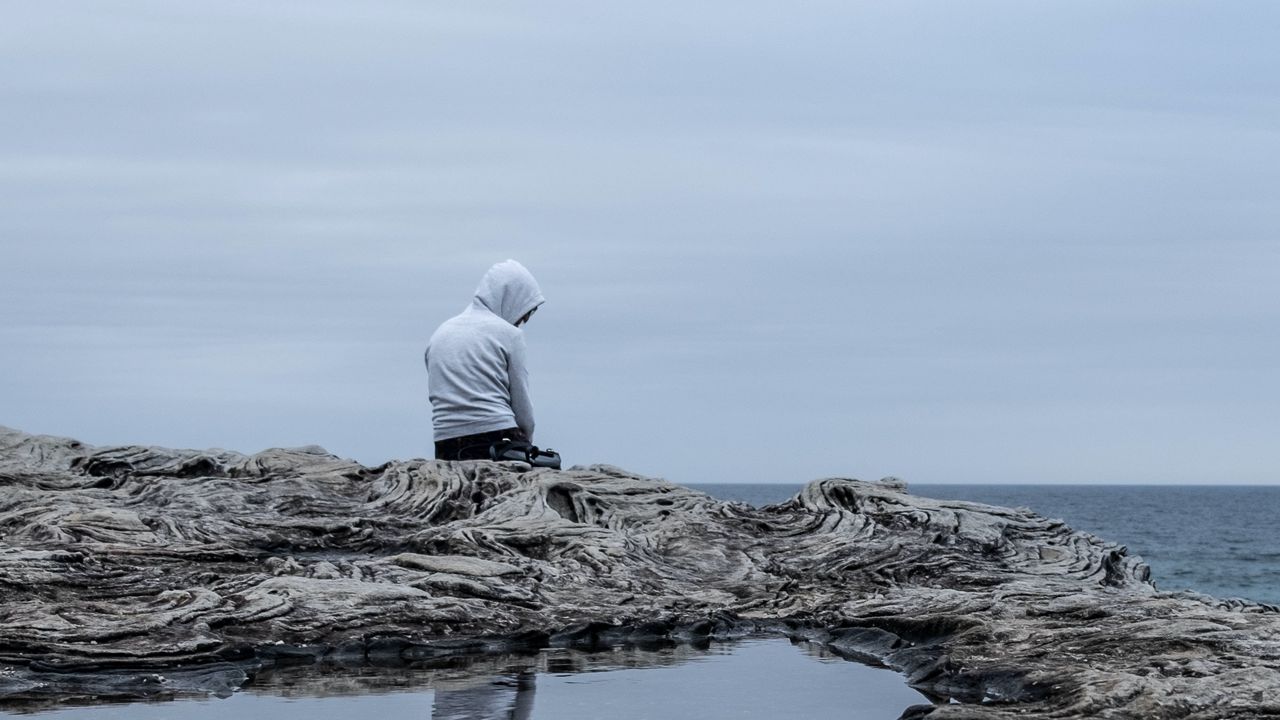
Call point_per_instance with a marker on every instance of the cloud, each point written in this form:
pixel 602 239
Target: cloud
pixel 1000 242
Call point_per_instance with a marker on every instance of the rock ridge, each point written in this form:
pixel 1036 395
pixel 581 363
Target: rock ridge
pixel 121 565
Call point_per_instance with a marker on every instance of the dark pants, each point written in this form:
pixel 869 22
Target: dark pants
pixel 475 447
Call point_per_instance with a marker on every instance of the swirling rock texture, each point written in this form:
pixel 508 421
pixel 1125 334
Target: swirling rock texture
pixel 128 571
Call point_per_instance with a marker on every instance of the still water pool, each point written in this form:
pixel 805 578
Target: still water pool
pixel 772 678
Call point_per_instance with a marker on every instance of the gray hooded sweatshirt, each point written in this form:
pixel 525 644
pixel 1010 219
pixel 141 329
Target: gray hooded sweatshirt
pixel 476 375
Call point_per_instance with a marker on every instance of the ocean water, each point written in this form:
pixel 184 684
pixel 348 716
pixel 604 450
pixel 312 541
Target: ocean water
pixel 1218 540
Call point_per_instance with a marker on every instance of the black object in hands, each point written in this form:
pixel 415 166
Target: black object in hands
pixel 524 452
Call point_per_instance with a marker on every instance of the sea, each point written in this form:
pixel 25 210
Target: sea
pixel 1220 540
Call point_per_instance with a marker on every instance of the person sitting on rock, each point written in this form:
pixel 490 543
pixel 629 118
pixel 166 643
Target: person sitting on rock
pixel 476 374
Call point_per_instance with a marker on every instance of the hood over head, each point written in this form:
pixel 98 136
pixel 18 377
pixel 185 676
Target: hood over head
pixel 509 291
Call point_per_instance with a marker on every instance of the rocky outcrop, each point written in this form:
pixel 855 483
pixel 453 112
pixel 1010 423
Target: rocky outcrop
pixel 123 569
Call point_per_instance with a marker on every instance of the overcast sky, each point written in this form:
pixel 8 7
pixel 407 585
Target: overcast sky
pixel 951 242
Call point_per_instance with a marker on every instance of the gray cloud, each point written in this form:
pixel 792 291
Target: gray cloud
pixel 997 242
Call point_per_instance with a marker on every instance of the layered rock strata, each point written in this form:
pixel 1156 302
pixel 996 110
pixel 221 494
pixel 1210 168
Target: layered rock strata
pixel 124 569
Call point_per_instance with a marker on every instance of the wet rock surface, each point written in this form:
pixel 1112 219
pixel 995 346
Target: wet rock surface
pixel 140 571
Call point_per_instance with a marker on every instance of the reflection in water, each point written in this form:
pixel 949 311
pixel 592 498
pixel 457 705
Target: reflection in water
pixel 749 679
pixel 496 700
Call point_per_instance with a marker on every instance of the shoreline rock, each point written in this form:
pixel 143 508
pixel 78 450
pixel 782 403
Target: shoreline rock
pixel 131 561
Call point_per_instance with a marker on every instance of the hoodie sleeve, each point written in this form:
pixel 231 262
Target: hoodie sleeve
pixel 518 374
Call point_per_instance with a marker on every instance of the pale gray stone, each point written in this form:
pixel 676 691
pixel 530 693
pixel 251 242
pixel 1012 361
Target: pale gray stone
pixel 215 564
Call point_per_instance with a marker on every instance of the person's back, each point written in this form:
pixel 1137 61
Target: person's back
pixel 476 374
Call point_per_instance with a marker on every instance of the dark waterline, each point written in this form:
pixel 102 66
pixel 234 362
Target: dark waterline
pixel 761 679
pixel 1218 540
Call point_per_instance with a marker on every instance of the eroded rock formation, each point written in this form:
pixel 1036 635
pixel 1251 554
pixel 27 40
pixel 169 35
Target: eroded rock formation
pixel 123 569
